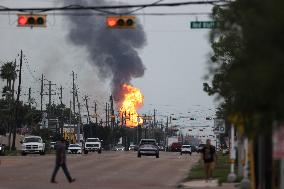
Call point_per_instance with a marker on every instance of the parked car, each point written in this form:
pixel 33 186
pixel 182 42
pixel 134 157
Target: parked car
pixel 75 149
pixel 200 148
pixel 131 147
pixel 119 147
pixel 52 145
pixel 176 147
pixel 161 148
pixel 225 151
pixel 2 149
pixel 148 147
pixel 185 149
pixel 136 147
pixel 193 148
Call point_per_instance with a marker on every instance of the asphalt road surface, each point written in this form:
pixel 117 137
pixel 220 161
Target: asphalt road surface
pixel 109 170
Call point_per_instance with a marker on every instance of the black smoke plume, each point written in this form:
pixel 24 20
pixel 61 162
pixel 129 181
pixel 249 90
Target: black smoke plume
pixel 113 51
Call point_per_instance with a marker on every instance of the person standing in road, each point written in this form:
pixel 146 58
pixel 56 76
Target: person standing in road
pixel 61 161
pixel 209 159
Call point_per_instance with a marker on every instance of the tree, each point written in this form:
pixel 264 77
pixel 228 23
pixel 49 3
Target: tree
pixel 8 73
pixel 247 68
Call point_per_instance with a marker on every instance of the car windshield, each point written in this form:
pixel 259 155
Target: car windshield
pixel 143 142
pixel 93 140
pixel 186 146
pixel 32 140
pixel 74 145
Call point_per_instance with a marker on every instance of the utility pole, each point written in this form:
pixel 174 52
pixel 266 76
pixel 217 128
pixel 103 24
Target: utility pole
pixel 61 95
pixel 61 108
pixel 73 92
pixel 112 112
pixel 87 107
pixel 154 117
pixel 79 118
pixel 41 93
pixel 166 133
pixel 29 100
pixel 13 84
pixel 96 113
pixel 106 114
pixel 17 103
pixel 49 96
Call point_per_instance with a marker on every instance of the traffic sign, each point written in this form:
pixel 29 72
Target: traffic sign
pixel 219 126
pixel 203 24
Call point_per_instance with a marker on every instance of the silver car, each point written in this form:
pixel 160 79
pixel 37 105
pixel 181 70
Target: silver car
pixel 148 147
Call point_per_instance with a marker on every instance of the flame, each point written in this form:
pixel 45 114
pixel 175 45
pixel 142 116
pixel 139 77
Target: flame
pixel 133 99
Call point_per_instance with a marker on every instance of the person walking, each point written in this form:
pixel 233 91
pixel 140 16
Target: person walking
pixel 209 159
pixel 60 161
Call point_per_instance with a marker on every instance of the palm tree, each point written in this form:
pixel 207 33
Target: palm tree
pixel 8 73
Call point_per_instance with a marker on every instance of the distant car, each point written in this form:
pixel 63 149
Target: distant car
pixel 161 148
pixel 225 151
pixel 74 149
pixel 119 147
pixel 92 145
pixel 2 149
pixel 185 149
pixel 136 147
pixel 131 147
pixel 200 148
pixel 176 147
pixel 52 145
pixel 193 148
pixel 32 145
pixel 148 147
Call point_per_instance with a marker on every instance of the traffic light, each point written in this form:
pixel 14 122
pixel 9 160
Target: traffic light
pixel 32 20
pixel 121 22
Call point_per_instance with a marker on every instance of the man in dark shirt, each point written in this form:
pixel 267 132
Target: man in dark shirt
pixel 61 161
pixel 209 157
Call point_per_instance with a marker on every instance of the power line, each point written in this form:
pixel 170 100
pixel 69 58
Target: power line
pixel 135 14
pixel 109 7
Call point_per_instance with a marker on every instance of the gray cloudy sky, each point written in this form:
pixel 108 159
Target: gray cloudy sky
pixel 175 57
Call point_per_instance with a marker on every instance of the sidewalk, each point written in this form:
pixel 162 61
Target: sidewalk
pixel 212 184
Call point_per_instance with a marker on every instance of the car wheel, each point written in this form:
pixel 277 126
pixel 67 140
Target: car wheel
pixel 190 153
pixel 181 153
pixel 99 151
pixel 23 154
pixel 42 153
pixel 157 155
pixel 85 151
pixel 139 155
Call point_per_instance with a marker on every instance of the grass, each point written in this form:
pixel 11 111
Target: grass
pixel 220 172
pixel 11 153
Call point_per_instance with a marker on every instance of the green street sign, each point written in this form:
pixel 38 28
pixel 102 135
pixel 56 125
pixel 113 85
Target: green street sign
pixel 203 24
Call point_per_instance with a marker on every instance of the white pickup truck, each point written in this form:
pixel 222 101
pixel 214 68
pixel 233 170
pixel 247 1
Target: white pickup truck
pixel 32 145
pixel 93 144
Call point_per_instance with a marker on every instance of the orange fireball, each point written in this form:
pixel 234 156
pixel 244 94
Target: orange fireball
pixel 133 99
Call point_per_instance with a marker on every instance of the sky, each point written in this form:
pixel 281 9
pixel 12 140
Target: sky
pixel 175 58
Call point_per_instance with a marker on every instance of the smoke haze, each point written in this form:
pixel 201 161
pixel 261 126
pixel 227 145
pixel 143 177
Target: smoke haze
pixel 113 51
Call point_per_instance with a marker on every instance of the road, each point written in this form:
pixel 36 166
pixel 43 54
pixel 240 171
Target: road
pixel 109 170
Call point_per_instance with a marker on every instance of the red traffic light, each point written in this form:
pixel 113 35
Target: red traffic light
pixel 31 20
pixel 111 21
pixel 22 20
pixel 120 22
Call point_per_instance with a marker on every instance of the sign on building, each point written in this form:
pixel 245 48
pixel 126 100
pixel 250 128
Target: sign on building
pixel 278 142
pixel 219 126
